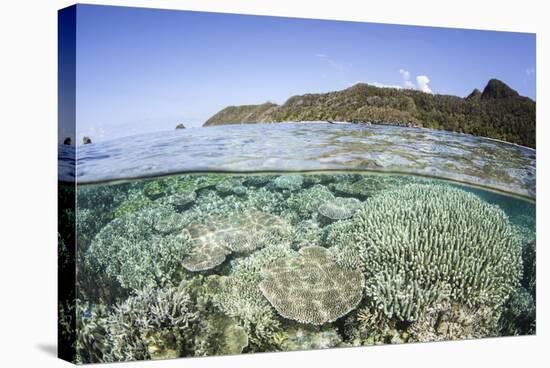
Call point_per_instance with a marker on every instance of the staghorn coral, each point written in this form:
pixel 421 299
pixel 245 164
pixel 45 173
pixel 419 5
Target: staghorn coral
pixel 135 250
pixel 153 324
pixel 309 287
pixel 306 202
pixel 420 244
pixel 338 209
pixel 237 232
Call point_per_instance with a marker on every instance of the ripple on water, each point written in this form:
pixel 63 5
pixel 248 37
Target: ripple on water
pixel 307 147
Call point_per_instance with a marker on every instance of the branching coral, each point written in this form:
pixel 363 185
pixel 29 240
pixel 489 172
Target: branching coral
pixel 152 324
pixel 422 243
pixel 309 287
pixel 136 251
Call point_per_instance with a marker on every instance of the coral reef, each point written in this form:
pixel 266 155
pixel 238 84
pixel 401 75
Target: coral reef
pixel 305 203
pixel 367 186
pixel 178 201
pixel 231 185
pixel 448 321
pixel 220 335
pixel 201 265
pixel 310 287
pixel 370 326
pixel 306 233
pixel 338 209
pixel 519 314
pixel 422 243
pixel 136 251
pixel 288 182
pixel 237 232
pixel 238 295
pixel 300 337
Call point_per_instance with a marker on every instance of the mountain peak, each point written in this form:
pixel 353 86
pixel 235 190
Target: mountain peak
pixel 476 93
pixel 498 89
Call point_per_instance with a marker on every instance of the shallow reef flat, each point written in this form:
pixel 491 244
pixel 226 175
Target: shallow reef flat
pixel 197 265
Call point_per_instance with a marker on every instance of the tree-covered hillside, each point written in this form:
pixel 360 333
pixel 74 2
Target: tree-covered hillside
pixel 498 112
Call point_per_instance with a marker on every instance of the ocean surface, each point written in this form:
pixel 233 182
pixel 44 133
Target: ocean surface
pixel 287 147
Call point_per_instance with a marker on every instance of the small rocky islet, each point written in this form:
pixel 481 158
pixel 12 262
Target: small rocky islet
pixel 197 265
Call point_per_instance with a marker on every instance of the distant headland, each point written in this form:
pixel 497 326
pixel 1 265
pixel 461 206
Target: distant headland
pixel 497 112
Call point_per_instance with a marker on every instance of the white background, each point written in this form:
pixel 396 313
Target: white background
pixel 28 245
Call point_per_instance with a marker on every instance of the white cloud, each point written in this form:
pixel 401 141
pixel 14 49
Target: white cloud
pixel 530 71
pixel 406 79
pixel 422 83
pixel 321 55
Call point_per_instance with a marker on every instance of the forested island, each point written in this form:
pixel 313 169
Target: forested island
pixel 497 112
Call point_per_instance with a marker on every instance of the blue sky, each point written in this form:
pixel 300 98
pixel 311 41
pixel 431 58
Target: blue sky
pixel 141 70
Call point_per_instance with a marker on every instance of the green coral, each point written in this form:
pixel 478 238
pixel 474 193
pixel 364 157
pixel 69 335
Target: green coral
pixel 422 243
pixel 310 287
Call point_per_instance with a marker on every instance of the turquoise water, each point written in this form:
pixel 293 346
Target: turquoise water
pixel 256 238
